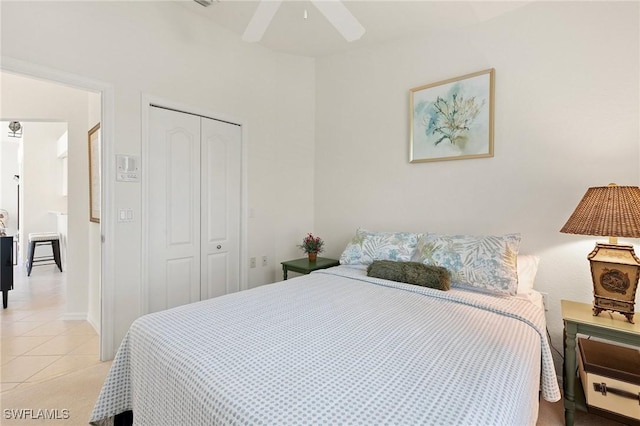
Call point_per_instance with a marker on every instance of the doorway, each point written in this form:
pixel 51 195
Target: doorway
pixel 33 178
pixel 87 260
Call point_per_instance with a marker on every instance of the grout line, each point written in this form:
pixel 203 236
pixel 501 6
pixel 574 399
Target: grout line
pixel 40 300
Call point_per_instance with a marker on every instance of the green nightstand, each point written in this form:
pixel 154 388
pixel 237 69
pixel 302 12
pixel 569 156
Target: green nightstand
pixel 579 319
pixel 304 266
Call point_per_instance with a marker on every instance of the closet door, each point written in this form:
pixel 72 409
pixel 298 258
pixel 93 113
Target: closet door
pixel 220 204
pixel 174 209
pixel 195 167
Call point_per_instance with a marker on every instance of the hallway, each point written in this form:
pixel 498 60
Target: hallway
pixel 37 345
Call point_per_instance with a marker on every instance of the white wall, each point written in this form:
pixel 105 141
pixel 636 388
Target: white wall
pixel 40 182
pixel 9 168
pixel 567 117
pixel 163 50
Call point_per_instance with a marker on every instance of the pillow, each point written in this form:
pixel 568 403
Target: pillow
pixel 367 246
pixel 411 273
pixel 527 269
pixel 352 254
pixel 488 263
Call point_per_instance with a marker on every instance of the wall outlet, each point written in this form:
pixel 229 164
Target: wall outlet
pixel 545 301
pixel 252 262
pixel 264 261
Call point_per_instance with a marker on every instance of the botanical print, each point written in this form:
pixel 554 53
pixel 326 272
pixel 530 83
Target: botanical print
pixel 452 119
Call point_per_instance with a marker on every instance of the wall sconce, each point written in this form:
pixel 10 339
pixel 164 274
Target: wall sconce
pixel 612 211
pixel 15 129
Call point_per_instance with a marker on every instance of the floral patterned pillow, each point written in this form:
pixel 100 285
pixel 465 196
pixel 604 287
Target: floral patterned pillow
pixel 367 246
pixel 488 263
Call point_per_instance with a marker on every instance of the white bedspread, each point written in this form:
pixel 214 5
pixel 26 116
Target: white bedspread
pixel 335 347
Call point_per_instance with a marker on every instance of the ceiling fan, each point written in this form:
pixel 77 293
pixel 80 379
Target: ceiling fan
pixel 334 10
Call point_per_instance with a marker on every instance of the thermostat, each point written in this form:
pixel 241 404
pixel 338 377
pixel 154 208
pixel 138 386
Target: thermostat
pixel 127 168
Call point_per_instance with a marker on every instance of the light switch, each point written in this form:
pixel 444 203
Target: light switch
pixel 125 215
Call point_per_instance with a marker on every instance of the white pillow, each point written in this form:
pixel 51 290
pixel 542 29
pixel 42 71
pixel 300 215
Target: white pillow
pixel 487 263
pixel 367 246
pixel 527 269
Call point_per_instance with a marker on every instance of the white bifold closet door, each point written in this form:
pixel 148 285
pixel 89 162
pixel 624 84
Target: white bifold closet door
pixel 194 208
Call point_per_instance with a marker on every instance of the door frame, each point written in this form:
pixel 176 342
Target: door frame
pixel 147 101
pixel 107 220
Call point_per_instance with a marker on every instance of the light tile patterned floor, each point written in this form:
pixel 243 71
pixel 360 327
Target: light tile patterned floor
pixel 36 343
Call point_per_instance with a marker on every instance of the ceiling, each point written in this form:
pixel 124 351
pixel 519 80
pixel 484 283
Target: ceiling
pixel 384 21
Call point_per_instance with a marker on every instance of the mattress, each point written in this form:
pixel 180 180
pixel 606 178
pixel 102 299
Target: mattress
pixel 333 347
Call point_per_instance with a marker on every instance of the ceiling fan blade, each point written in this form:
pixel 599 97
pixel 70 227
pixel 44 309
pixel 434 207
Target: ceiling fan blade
pixel 261 19
pixel 338 14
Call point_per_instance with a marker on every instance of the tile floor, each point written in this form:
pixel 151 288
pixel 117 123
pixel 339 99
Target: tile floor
pixel 36 343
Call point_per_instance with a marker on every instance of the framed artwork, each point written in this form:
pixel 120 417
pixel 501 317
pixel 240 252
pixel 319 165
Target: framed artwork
pixel 94 174
pixel 452 119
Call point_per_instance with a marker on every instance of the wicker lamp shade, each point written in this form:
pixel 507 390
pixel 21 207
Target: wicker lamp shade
pixel 612 211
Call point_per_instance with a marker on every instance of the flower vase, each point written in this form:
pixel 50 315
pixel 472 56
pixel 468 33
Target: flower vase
pixel 313 257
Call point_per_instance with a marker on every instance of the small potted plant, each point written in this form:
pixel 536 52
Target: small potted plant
pixel 312 246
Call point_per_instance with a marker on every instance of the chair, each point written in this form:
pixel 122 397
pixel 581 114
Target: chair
pixel 44 238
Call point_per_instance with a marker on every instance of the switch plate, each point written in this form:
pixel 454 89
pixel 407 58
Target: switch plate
pixel 252 262
pixel 125 215
pixel 264 261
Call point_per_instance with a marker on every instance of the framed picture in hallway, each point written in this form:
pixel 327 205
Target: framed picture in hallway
pixel 452 119
pixel 94 174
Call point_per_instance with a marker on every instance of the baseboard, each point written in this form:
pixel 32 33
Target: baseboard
pixel 94 324
pixel 75 316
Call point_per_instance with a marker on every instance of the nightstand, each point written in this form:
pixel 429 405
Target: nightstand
pixel 578 318
pixel 304 266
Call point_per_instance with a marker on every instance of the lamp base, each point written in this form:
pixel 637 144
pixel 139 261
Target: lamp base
pixel 601 304
pixel 615 270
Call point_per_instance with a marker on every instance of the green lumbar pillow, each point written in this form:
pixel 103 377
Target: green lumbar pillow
pixel 411 273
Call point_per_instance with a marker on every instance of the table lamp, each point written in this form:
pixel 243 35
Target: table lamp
pixel 612 211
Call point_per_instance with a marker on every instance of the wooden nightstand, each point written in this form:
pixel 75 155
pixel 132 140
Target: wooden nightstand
pixel 578 318
pixel 304 266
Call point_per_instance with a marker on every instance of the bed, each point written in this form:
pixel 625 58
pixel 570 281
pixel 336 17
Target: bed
pixel 335 347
